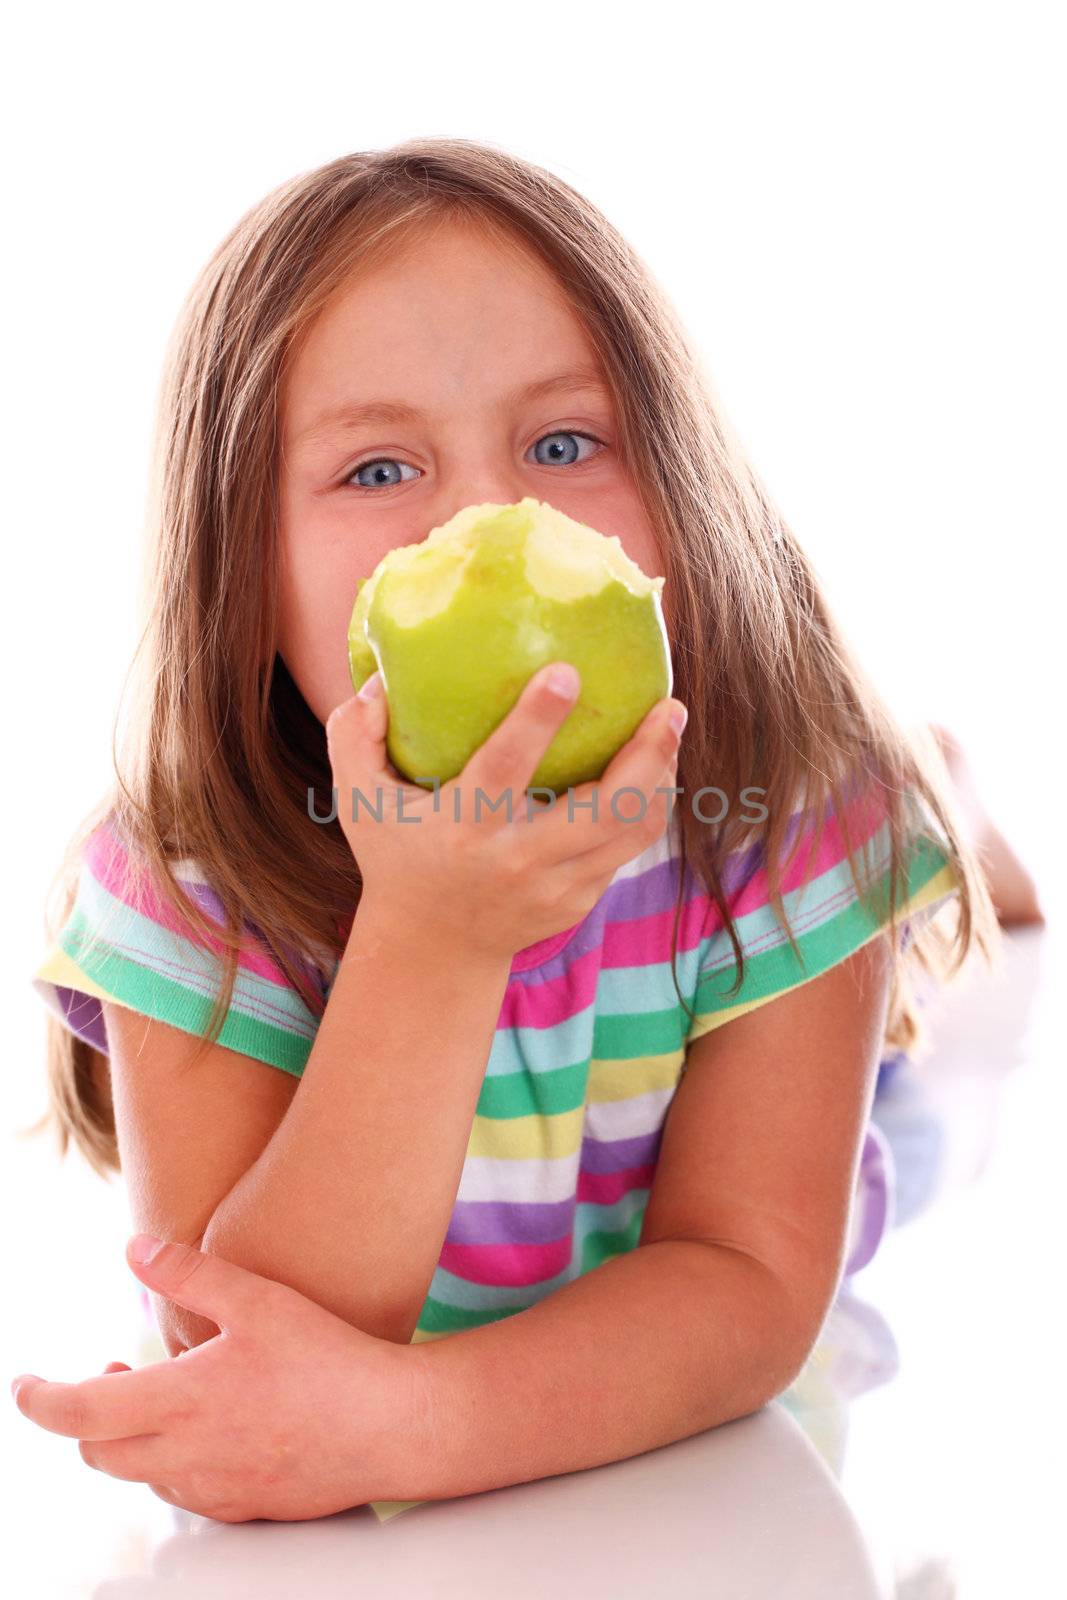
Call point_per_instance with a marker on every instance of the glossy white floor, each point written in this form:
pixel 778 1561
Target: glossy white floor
pixel 918 1456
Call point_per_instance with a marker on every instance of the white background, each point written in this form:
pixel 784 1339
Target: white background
pixel 857 210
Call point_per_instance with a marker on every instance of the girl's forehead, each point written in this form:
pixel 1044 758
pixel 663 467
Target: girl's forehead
pixel 443 320
pixel 453 285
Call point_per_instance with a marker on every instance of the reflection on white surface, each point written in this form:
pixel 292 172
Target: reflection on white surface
pixel 672 1519
pixel 906 1460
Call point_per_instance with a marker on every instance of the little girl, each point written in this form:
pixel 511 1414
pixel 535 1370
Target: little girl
pixel 432 1076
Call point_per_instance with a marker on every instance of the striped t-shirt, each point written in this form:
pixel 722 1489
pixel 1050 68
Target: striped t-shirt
pixel 588 1050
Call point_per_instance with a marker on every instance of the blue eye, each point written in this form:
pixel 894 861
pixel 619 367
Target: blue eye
pixel 564 433
pixel 385 463
pixel 381 463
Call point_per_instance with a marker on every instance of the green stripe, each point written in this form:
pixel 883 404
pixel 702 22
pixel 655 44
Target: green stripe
pixel 437 1317
pixel 150 993
pixel 820 948
pixel 176 955
pixel 598 1247
pixel 525 1094
pixel 623 1038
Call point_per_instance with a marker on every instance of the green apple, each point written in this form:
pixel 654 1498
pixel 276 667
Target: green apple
pixel 459 623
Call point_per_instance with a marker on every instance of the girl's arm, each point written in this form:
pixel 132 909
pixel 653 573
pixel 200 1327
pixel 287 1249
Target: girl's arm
pixel 341 1183
pixel 670 1339
pixel 349 1201
pixel 720 1304
pixel 294 1413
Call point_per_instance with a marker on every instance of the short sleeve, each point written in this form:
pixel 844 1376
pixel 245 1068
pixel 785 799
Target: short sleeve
pixel 122 942
pixel 828 919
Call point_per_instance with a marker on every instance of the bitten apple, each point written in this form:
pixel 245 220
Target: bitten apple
pixel 459 623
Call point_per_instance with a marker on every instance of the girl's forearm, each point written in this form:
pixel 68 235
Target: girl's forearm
pixel 350 1200
pixel 668 1340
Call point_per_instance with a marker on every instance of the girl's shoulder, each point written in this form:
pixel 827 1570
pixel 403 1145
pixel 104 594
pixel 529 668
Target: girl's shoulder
pixel 833 874
pixel 123 941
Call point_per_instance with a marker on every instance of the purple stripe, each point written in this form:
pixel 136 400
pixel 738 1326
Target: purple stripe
pixel 209 901
pixel 601 1156
pixel 514 1222
pixel 84 1016
pixel 646 894
pixel 643 895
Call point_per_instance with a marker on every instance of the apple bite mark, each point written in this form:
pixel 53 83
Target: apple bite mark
pixel 459 623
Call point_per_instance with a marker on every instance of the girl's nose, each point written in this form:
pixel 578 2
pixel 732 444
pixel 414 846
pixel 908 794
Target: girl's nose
pixel 497 489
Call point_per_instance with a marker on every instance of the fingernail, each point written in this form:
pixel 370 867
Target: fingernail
pixel 143 1247
pixel 678 718
pixel 371 688
pixel 563 680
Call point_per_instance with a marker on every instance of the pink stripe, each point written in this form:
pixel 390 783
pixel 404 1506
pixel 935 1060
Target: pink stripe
pixel 812 917
pixel 640 941
pixel 535 955
pixel 608 1188
pixel 107 859
pixel 511 1265
pixel 545 1005
pixel 865 817
pixel 635 942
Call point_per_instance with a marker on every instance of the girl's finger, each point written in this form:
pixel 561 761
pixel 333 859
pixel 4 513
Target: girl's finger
pixel 643 755
pixel 358 727
pixel 611 851
pixel 117 1366
pixel 601 816
pixel 138 1460
pixel 141 1403
pixel 355 742
pixel 507 760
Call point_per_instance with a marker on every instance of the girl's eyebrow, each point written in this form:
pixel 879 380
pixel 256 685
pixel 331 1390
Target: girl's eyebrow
pixel 381 411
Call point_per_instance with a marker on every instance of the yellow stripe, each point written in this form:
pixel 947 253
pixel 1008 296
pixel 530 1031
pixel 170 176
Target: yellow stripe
pixel 532 1138
pixel 57 967
pixel 384 1509
pixel 559 1133
pixel 623 1080
pixel 943 882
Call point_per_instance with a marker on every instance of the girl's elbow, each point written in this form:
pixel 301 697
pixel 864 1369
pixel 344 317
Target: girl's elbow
pixel 181 1330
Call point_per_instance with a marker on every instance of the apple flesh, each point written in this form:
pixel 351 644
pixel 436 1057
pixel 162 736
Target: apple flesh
pixel 458 624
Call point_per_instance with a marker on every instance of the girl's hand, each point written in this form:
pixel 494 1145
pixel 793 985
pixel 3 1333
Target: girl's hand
pixel 470 872
pixel 288 1413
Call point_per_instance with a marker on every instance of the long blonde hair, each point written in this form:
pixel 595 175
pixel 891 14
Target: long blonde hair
pixel 223 747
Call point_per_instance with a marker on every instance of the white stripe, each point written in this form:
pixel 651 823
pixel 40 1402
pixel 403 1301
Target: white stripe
pixel 627 1119
pixel 494 1178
